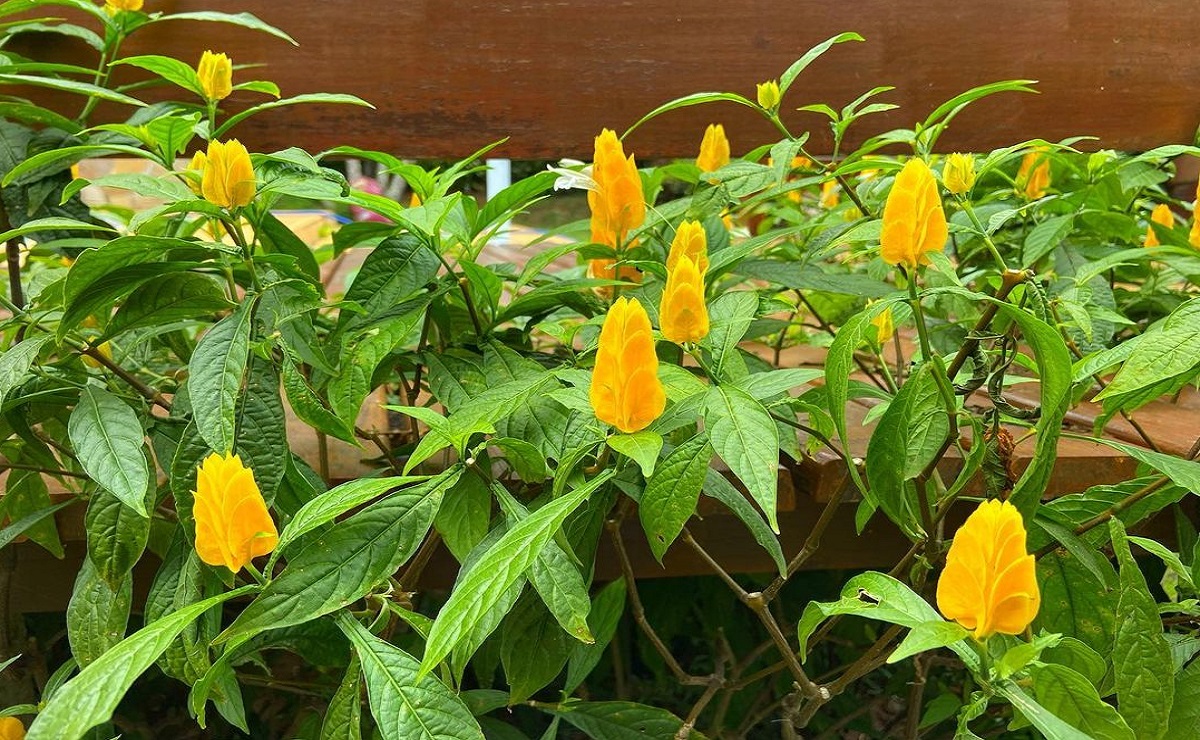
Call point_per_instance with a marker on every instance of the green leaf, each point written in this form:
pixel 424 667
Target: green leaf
pixel 309 407
pixel 480 588
pixel 718 486
pixel 261 425
pixel 524 458
pixel 406 704
pixel 171 70
pixel 928 636
pixel 25 494
pixel 337 98
pixel 1045 237
pixel 176 296
pixel 1041 718
pixel 793 71
pixel 687 101
pixel 603 619
pixel 183 579
pixel 1072 604
pixel 839 364
pixel 1054 378
pixel 333 503
pixel 671 494
pixel 16 362
pixel 762 386
pixel 875 596
pixel 1140 652
pixel 17 528
pixel 108 437
pixel 1185 712
pixel 641 447
pixel 465 515
pixel 620 720
pixel 242 20
pixel 215 373
pixel 277 237
pixel 116 535
pixel 345 563
pixel 730 316
pixel 908 437
pixel 52 223
pixel 1185 473
pixel 1073 699
pixel 90 698
pixel 743 433
pixel 72 86
pixel 554 576
pixel 343 718
pixel 96 614
pixel 533 650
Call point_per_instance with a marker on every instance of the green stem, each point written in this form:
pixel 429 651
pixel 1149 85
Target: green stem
pixel 939 370
pixel 965 204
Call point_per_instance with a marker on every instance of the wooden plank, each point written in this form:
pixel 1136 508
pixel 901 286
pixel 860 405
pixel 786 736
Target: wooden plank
pixel 450 76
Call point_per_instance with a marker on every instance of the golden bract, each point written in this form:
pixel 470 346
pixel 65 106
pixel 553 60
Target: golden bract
pixel 233 525
pixel 914 223
pixel 228 175
pixel 682 313
pixel 617 203
pixel 1033 176
pixel 1160 215
pixel 884 325
pixel 989 584
pixel 1194 233
pixel 768 94
pixel 714 149
pixel 958 174
pixel 112 6
pixel 690 240
pixel 626 391
pixel 11 728
pixel 215 72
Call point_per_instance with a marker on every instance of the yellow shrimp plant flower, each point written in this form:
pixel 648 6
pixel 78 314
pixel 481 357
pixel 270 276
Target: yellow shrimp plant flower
pixel 233 525
pixel 617 203
pixel 989 584
pixel 714 149
pixel 11 728
pixel 113 6
pixel 1033 176
pixel 1160 215
pixel 626 391
pixel 215 72
pixel 228 179
pixel 690 241
pixel 683 313
pixel 914 223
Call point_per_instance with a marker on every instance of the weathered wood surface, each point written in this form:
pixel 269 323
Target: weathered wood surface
pixel 449 76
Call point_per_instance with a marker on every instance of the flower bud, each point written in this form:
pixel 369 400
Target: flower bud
pixel 690 241
pixel 228 175
pixel 714 149
pixel 885 326
pixel 216 75
pixel 768 94
pixel 11 728
pixel 958 174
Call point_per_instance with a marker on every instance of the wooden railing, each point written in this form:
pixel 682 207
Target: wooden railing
pixel 449 76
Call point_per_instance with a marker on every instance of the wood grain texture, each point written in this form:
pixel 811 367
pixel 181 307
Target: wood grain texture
pixel 452 75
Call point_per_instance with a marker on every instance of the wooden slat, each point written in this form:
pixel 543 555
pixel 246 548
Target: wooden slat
pixel 449 76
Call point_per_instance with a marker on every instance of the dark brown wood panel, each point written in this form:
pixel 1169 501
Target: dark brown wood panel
pixel 449 76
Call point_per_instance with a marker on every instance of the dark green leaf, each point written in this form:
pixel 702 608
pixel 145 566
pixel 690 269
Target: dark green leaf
pixel 672 493
pixel 107 437
pixel 215 377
